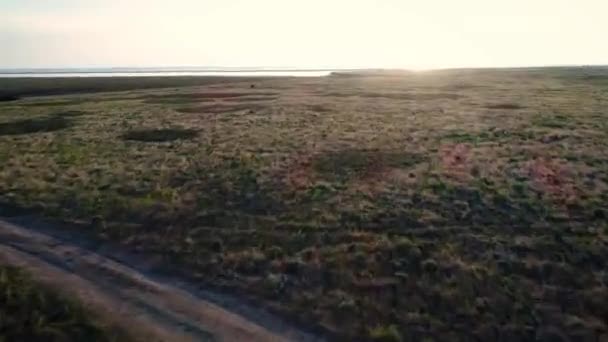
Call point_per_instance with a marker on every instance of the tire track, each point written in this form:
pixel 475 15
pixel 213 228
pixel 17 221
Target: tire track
pixel 146 308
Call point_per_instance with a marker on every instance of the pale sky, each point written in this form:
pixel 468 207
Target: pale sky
pixel 415 34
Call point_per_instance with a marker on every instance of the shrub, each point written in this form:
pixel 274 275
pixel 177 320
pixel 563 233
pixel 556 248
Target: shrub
pixel 385 334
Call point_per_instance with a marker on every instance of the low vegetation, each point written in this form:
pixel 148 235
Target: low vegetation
pixel 505 106
pixel 27 126
pixel 451 205
pixel 15 88
pixel 32 312
pixel 160 135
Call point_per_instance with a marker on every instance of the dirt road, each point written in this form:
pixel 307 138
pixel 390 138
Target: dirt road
pixel 146 307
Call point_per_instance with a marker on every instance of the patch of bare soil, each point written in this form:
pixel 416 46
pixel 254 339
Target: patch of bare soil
pixel 145 307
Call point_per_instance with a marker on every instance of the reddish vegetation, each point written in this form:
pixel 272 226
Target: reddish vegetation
pixel 364 171
pixel 299 172
pixel 552 177
pixel 371 186
pixel 456 161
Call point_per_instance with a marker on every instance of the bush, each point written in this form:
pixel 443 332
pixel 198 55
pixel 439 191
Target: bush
pixel 275 252
pixel 406 248
pixel 385 334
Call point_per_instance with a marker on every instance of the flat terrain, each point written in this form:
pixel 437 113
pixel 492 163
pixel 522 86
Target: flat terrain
pixel 448 205
pixel 124 298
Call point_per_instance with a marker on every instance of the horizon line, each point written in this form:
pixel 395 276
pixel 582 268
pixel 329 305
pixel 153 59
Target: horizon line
pixel 133 69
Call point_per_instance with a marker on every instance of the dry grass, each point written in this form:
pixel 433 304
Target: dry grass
pixel 376 206
pixel 220 108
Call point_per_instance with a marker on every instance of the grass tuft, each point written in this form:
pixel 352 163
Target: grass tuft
pixel 385 334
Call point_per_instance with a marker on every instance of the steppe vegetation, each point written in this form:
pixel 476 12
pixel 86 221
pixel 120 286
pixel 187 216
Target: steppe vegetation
pixel 448 205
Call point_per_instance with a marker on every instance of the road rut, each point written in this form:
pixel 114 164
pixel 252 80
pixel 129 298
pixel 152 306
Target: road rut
pixel 146 308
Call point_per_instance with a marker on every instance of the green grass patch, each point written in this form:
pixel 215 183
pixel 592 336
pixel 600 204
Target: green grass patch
pixel 554 121
pixel 385 334
pixel 493 135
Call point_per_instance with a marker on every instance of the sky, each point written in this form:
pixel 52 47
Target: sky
pixel 410 34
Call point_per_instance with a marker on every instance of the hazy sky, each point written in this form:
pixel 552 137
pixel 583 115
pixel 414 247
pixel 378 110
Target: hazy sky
pixel 304 33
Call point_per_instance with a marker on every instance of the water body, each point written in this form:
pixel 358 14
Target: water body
pixel 169 73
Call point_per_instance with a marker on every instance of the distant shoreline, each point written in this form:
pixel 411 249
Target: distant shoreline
pixel 13 88
pixel 146 70
pixel 163 73
pixel 256 70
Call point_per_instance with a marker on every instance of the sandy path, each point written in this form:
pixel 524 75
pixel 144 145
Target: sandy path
pixel 147 308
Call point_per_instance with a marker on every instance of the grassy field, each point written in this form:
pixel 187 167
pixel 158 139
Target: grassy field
pixel 31 312
pixel 448 205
